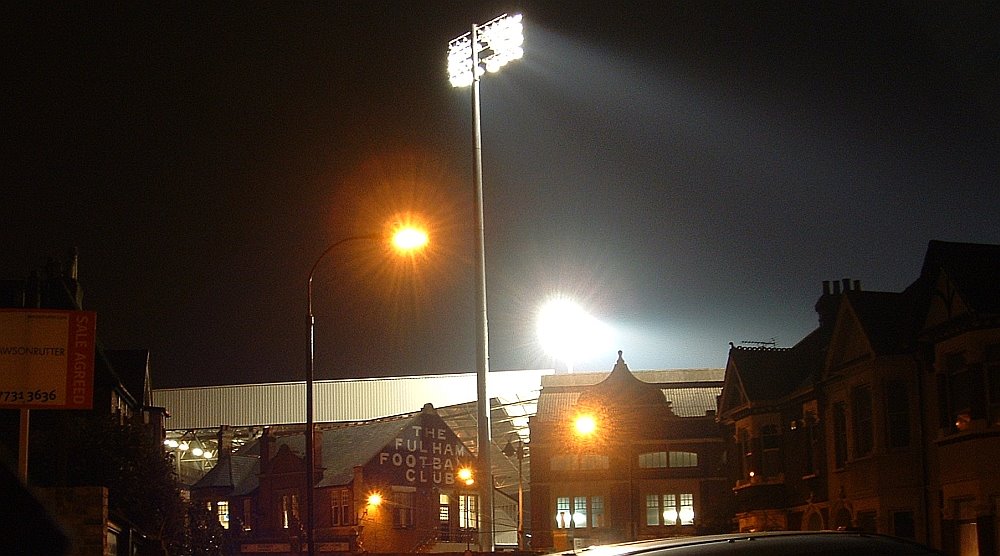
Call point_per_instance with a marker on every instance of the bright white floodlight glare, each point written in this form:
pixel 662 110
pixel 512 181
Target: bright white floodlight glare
pixel 569 333
pixel 496 43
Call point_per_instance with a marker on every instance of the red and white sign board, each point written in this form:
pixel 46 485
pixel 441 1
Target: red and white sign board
pixel 47 359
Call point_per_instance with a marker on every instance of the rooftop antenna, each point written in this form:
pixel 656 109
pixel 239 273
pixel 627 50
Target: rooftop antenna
pixel 769 343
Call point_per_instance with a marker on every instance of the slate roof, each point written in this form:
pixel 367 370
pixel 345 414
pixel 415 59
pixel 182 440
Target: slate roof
pixel 973 267
pixel 771 373
pixel 344 447
pixel 132 368
pixel 690 392
pixel 890 320
pixel 347 447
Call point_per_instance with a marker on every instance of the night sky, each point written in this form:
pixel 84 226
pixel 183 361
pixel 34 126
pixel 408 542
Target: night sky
pixel 689 172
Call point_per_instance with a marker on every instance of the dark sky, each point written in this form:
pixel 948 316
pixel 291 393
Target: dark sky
pixel 689 172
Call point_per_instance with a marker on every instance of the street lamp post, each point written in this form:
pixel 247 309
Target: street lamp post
pixel 486 47
pixel 404 239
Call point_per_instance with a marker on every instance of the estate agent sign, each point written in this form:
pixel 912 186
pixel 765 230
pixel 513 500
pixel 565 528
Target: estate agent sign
pixel 47 359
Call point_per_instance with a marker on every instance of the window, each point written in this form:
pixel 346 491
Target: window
pixel 593 461
pixel 222 511
pixel 811 441
pixel 903 525
pixel 563 519
pixel 597 511
pixel 770 440
pixel 247 514
pixel 289 509
pixel 993 382
pixel 444 518
pixel 839 434
pixel 683 459
pixel 867 522
pixel 468 511
pixel 652 460
pixel 669 509
pixel 340 507
pixel 564 462
pixel 579 512
pixel 574 462
pixel 748 469
pixel 402 506
pixel 897 411
pixel 959 381
pixel 861 420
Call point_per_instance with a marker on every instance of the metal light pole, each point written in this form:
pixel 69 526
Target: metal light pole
pixel 405 239
pixel 486 47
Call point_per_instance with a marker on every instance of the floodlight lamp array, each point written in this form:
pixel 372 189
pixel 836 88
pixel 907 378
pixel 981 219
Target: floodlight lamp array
pixel 501 39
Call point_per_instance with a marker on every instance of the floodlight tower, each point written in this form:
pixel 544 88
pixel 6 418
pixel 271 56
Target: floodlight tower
pixel 486 47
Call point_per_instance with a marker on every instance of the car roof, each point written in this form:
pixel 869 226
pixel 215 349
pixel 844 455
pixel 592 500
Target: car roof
pixel 824 543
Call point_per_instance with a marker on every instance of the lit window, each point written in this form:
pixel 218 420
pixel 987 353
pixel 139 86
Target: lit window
pixel 669 509
pixel 579 512
pixel 468 508
pixel 222 511
pixel 289 510
pixel 562 513
pixel 444 518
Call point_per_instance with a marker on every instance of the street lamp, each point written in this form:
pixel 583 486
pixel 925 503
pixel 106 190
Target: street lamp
pixel 593 428
pixel 404 239
pixel 485 48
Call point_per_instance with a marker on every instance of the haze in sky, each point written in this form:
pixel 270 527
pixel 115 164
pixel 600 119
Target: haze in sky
pixel 687 172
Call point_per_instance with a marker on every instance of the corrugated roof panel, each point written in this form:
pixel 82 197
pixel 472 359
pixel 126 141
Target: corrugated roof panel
pixel 692 402
pixel 335 400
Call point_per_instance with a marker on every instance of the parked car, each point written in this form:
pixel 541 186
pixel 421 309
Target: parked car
pixel 820 543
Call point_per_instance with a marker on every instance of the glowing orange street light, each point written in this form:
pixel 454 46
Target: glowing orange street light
pixel 405 239
pixel 408 238
pixel 375 499
pixel 584 425
pixel 465 475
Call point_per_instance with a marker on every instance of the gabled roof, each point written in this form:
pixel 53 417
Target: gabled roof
pixel 889 320
pixel 769 374
pixel 974 268
pixel 344 447
pixel 132 368
pixel 347 447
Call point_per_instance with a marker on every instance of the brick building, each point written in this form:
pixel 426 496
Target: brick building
pixel 885 418
pixel 410 462
pixel 652 466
